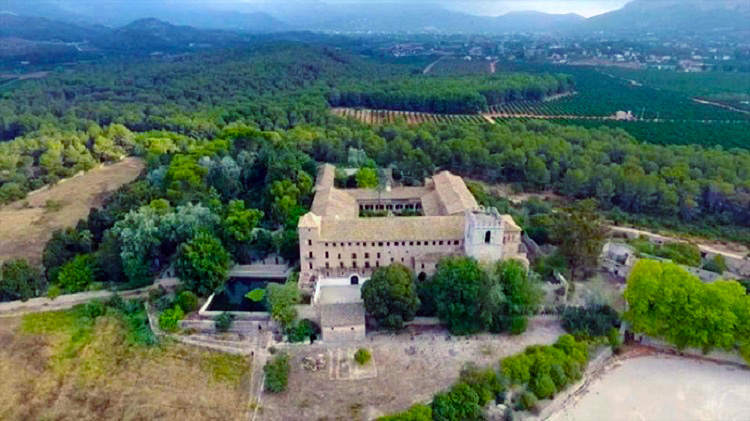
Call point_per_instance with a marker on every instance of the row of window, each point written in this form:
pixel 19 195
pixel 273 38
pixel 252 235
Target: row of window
pixel 395 243
pixel 391 207
pixel 367 263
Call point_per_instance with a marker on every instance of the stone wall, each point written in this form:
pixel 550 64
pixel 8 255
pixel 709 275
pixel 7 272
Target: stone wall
pixel 344 334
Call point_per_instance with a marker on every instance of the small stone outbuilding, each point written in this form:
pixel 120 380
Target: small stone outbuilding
pixel 341 323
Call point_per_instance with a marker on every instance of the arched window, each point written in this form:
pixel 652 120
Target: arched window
pixel 354 280
pixel 422 277
pixel 487 237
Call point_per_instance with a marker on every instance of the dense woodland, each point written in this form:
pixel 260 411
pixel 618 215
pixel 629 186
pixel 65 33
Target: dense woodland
pixel 449 95
pixel 232 149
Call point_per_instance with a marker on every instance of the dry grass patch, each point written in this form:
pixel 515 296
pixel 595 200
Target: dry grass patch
pixel 27 225
pixel 54 367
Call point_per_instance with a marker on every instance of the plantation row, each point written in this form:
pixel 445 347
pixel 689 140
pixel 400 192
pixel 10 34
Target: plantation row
pixel 726 135
pixel 603 95
pixel 410 117
pixel 460 67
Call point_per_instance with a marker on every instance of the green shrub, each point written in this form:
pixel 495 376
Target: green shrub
pixel 77 274
pixel 558 376
pixel 301 331
pixel 169 319
pixel 223 321
pixel 486 383
pixel 187 300
pixel 460 403
pixel 362 356
pixel 614 340
pixel 277 373
pixel 718 264
pixel 591 321
pixel 53 292
pixel 543 387
pixel 418 412
pixel 528 401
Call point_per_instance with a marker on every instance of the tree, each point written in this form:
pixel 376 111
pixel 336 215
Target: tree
pixel 367 178
pixel 203 264
pixel 390 296
pixel 418 412
pixel 77 274
pixel 523 295
pixel 457 287
pixel 281 299
pixel 666 301
pixel 459 404
pixel 580 234
pixel 19 281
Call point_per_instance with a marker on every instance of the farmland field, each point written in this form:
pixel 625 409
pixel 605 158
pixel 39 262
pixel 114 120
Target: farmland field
pixel 459 67
pixel 727 135
pixel 410 117
pixel 27 224
pixel 600 94
pixel 730 88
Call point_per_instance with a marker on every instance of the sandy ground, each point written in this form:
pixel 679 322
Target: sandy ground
pixel 408 369
pixel 27 225
pixel 664 388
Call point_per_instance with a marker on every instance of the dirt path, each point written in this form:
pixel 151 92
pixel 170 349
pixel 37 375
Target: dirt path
pixel 430 66
pixel 718 104
pixel 43 304
pixel 734 250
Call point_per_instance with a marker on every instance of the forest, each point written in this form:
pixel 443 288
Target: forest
pixel 231 151
pixel 448 95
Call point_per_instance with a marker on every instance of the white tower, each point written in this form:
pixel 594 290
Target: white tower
pixel 483 235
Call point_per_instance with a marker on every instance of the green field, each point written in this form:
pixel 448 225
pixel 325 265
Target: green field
pixel 599 94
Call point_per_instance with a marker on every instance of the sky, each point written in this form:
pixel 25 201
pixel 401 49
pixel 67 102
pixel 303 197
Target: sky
pixel 585 8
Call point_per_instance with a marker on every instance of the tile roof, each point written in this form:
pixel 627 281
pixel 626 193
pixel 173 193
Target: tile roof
pixel 453 193
pixel 393 228
pixel 337 315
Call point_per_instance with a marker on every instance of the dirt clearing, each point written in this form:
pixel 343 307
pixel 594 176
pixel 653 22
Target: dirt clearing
pixel 27 225
pixel 51 370
pixel 661 387
pixel 406 370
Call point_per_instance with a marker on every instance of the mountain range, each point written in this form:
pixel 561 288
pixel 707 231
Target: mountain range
pixel 121 24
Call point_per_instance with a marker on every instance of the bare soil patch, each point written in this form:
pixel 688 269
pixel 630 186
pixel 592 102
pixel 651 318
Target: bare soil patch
pixel 27 225
pixel 411 368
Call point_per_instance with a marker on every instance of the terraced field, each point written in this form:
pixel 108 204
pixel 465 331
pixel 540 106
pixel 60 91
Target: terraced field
pixel 409 117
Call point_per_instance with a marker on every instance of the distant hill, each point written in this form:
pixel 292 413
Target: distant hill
pixel 148 35
pixel 40 29
pixel 674 16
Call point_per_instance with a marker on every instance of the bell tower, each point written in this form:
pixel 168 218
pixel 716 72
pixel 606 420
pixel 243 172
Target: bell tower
pixel 483 234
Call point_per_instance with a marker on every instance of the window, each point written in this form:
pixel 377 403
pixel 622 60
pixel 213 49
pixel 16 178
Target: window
pixel 387 243
pixel 422 265
pixel 309 242
pixel 455 243
pixel 310 265
pixel 380 244
pixel 311 255
pixel 354 255
pixel 326 244
pixel 487 237
pixel 378 255
pixel 377 264
pixel 367 265
pixel 341 265
pixel 367 255
pixel 411 243
pixel 419 243
pixel 403 243
pixel 328 266
pixel 440 242
pixel 339 255
pixel 391 259
pixel 326 255
pixel 354 264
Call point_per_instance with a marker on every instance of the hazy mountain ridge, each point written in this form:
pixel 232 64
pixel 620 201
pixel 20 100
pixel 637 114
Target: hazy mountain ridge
pixel 636 17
